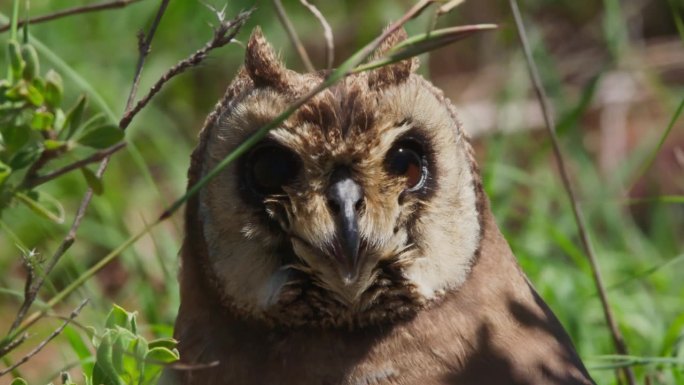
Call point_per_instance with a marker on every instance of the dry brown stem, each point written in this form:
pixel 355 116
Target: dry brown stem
pixel 618 339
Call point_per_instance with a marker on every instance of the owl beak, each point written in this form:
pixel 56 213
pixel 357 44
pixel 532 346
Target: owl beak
pixel 344 199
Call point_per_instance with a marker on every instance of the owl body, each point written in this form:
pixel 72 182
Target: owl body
pixel 353 245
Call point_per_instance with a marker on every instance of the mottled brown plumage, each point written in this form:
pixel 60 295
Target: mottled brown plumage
pixel 412 284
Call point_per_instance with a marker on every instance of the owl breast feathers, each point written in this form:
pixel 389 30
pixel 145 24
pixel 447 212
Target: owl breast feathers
pixel 354 244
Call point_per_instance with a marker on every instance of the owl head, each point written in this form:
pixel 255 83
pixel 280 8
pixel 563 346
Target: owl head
pixel 362 207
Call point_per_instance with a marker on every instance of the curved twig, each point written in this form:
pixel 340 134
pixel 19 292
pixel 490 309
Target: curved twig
pixel 618 339
pixel 292 34
pixel 72 11
pixel 327 33
pixel 49 338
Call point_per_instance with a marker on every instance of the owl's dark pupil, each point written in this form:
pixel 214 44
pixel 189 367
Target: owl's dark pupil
pixel 272 167
pixel 407 162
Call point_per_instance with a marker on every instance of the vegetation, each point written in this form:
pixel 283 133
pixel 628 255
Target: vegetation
pixel 614 75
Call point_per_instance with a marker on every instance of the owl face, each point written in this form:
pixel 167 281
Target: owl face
pixel 361 207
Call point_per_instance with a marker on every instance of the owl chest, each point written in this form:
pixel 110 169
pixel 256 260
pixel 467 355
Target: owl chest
pixel 393 357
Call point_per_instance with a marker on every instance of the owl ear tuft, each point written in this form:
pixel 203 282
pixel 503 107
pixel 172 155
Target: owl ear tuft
pixel 395 73
pixel 262 64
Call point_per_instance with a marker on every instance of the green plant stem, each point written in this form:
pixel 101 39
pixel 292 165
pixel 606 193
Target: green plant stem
pixel 613 327
pixel 13 32
pixel 654 154
pixel 78 282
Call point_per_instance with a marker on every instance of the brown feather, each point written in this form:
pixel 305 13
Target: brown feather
pixel 441 299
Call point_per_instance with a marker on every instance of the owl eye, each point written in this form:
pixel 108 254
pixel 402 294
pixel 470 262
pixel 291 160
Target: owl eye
pixel 406 159
pixel 270 167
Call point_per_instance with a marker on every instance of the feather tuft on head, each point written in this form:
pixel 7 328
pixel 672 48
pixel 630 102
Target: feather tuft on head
pixel 393 74
pixel 262 64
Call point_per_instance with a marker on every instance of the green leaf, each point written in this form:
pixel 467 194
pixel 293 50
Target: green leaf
pixel 15 137
pixel 118 316
pixel 168 343
pixel 5 171
pixel 93 181
pixel 19 381
pixel 60 119
pixel 54 89
pixel 118 353
pixel 73 119
pixel 154 361
pixel 79 347
pixel 51 144
pixel 419 44
pixel 42 120
pixel 133 360
pixel 104 372
pixel 16 62
pixel 102 136
pixel 30 56
pixel 32 94
pixel 162 355
pixel 56 214
pixel 25 157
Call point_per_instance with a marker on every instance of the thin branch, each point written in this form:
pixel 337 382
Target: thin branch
pixel 70 237
pixel 30 276
pixel 144 43
pixel 289 28
pixel 327 33
pixel 223 35
pixel 96 157
pixel 618 339
pixel 187 367
pixel 41 345
pixel 13 344
pixel 73 11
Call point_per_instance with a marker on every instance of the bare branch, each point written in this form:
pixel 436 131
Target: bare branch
pixel 73 11
pixel 618 339
pixel 85 202
pixel 11 345
pixel 144 43
pixel 223 35
pixel 327 33
pixel 28 295
pixel 96 157
pixel 292 34
pixel 41 345
pixel 185 367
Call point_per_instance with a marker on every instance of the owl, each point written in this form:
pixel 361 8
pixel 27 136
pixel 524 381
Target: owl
pixel 353 245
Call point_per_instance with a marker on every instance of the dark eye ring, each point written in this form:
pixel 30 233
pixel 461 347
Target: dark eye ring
pixel 406 159
pixel 269 167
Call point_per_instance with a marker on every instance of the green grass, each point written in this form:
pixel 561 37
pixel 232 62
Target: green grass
pixel 639 245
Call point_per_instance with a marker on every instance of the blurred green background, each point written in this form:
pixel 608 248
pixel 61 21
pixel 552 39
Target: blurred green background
pixel 615 73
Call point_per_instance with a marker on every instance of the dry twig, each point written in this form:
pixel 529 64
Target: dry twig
pixel 72 11
pixel 618 340
pixel 289 28
pixel 96 157
pixel 41 345
pixel 223 35
pixel 69 239
pixel 327 33
pixel 13 344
